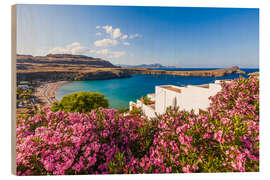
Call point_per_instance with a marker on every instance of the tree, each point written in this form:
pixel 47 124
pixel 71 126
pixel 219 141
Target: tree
pixel 81 102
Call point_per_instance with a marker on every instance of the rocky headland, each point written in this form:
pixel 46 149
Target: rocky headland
pixel 208 73
pixel 67 67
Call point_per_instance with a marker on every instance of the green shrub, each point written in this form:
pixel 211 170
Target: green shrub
pixel 146 100
pixel 136 111
pixel 123 110
pixel 81 102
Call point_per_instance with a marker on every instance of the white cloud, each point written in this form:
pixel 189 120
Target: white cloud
pixel 113 32
pixel 108 29
pixel 98 33
pixel 116 33
pixel 92 51
pixel 125 36
pixel 126 43
pixel 117 54
pixel 73 45
pixel 108 53
pixel 77 48
pixel 73 48
pixel 58 50
pixel 132 36
pixel 105 42
pixel 103 52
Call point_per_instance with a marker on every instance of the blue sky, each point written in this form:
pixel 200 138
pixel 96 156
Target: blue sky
pixel 185 37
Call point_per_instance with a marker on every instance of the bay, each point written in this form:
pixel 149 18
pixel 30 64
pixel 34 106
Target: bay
pixel 121 91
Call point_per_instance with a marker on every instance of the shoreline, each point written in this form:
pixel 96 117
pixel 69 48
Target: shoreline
pixel 46 92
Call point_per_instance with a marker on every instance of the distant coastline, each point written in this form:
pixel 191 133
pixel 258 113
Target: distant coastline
pixel 67 67
pixel 203 73
pixel 150 66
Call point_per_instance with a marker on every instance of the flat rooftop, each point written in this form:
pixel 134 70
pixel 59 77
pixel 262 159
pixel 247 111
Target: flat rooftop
pixel 172 89
pixel 202 85
pixel 225 80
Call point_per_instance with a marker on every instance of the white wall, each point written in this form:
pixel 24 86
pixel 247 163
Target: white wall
pixel 148 111
pixel 131 104
pixel 191 97
pixel 151 96
pixel 166 98
pixel 194 98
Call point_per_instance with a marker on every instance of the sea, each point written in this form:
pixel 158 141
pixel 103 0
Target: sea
pixel 121 91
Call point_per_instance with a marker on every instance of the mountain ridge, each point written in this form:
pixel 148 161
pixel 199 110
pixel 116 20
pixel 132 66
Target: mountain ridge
pixel 25 62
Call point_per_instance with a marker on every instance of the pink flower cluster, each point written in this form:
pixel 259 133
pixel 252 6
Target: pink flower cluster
pixel 224 139
pixel 73 143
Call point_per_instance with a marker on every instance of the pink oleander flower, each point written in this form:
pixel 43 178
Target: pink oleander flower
pixel 226 137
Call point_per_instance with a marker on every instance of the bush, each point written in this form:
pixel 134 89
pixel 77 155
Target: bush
pixel 81 102
pixel 223 139
pixel 122 110
pixel 74 143
pixel 146 100
pixel 24 94
pixel 136 111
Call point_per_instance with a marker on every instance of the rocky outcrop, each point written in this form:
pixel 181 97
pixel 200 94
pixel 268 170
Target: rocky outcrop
pixel 208 73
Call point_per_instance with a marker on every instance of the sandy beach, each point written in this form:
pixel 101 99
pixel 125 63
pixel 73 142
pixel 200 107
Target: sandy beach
pixel 46 92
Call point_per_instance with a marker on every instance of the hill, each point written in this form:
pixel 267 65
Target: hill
pixel 65 67
pixel 28 62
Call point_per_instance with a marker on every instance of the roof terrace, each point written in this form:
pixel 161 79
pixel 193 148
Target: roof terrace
pixel 203 86
pixel 172 88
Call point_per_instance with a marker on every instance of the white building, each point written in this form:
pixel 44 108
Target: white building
pixel 25 86
pixel 189 97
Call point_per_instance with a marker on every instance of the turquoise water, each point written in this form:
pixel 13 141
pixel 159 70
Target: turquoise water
pixel 121 91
